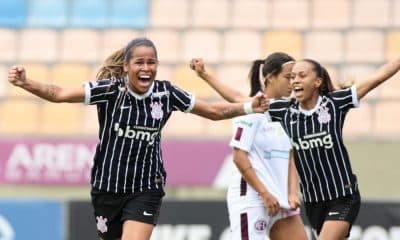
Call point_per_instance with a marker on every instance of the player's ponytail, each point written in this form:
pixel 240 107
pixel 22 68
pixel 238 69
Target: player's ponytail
pixel 113 66
pixel 262 69
pixel 254 75
pixel 326 84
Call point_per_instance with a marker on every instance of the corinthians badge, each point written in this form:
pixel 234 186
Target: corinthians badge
pixel 323 115
pixel 156 110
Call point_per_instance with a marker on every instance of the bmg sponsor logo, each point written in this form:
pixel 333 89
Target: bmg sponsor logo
pixel 137 133
pixel 316 140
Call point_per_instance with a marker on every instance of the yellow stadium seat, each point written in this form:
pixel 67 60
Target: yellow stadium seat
pixel 38 45
pixel 19 117
pixel 290 42
pixel 290 14
pixel 390 89
pixel 185 78
pixel 392 49
pixel 172 13
pixel 314 49
pixel 164 72
pixel 359 122
pixel 113 40
pixel 201 43
pixel 80 45
pixel 354 73
pixel 241 46
pixel 235 75
pixel 3 82
pixel 90 124
pixel 35 71
pixel 61 119
pixel 70 74
pixel 184 125
pixel 167 43
pixel 371 13
pixel 387 115
pixel 8 45
pixel 217 13
pixel 250 14
pixel 364 46
pixel 322 16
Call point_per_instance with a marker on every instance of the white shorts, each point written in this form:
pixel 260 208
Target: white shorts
pixel 254 223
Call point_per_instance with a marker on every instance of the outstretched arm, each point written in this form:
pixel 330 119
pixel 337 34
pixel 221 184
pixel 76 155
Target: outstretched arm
pixel 50 92
pixel 227 92
pixel 224 110
pixel 383 74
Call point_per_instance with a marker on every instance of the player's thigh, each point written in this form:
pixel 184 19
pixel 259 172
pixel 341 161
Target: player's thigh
pixel 334 230
pixel 286 228
pixel 134 230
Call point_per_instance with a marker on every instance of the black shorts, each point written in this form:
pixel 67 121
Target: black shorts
pixel 341 209
pixel 112 209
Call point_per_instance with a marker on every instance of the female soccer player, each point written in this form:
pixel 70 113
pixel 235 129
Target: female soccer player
pixel 128 175
pixel 314 119
pixel 263 199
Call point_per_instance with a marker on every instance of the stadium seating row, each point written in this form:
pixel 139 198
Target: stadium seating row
pixel 257 14
pixel 237 46
pixel 75 13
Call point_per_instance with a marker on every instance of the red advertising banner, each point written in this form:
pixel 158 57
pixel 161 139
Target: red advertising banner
pixel 69 161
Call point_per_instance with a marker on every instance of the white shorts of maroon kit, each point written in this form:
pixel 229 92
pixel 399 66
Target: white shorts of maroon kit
pixel 254 223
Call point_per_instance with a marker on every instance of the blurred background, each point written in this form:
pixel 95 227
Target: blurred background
pixel 46 149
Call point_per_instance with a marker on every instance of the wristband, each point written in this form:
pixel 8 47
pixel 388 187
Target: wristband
pixel 248 109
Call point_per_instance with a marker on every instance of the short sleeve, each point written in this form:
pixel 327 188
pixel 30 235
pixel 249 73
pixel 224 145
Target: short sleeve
pixel 99 91
pixel 181 100
pixel 244 131
pixel 346 98
pixel 278 108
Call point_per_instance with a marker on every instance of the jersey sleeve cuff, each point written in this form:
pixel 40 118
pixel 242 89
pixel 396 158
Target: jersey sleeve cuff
pixel 86 86
pixel 192 102
pixel 356 102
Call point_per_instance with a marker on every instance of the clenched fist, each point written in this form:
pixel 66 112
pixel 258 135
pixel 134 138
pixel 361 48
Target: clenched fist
pixel 17 76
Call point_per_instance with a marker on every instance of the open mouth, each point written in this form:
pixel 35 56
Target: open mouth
pixel 298 90
pixel 144 78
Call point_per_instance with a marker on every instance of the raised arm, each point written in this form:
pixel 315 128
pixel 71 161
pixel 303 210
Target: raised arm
pixel 49 92
pixel 384 73
pixel 227 92
pixel 224 110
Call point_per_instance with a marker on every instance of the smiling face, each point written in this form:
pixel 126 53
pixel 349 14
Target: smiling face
pixel 141 68
pixel 305 83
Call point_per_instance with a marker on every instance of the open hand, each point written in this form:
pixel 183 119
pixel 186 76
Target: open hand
pixel 17 75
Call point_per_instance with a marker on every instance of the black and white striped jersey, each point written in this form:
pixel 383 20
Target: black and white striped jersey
pixel 321 158
pixel 128 156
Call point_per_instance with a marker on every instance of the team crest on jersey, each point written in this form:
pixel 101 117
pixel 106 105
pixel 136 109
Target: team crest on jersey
pixel 156 110
pixel 323 115
pixel 102 224
pixel 260 225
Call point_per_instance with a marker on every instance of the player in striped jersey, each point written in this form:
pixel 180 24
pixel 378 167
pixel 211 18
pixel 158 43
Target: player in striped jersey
pixel 263 198
pixel 314 119
pixel 128 175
